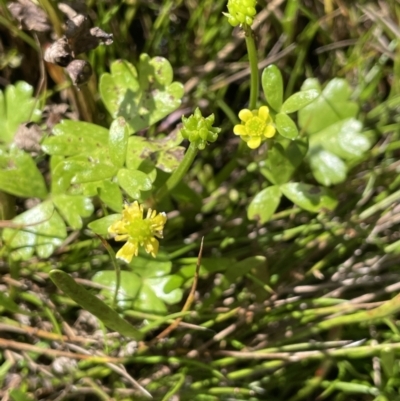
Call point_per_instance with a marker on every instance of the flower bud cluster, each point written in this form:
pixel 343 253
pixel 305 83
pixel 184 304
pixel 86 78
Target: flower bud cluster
pixel 241 12
pixel 199 130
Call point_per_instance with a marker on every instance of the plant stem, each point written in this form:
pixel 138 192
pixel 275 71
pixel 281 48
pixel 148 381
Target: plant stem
pixel 254 78
pixel 179 173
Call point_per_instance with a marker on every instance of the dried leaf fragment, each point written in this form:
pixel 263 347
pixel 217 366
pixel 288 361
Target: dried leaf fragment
pixel 79 71
pixel 29 15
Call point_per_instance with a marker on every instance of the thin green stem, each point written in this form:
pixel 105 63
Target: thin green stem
pixel 116 268
pixel 179 173
pixel 254 78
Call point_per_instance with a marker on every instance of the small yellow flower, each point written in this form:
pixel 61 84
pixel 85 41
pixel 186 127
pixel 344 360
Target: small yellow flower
pixel 255 126
pixel 138 231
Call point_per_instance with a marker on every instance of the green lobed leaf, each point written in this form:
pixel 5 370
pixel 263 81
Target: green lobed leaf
pixel 165 151
pixel 89 170
pixel 309 197
pixel 283 159
pixel 62 175
pixel 264 204
pixel 272 84
pixel 169 160
pixel 19 175
pixel 343 139
pixel 147 287
pixel 43 231
pixel 17 106
pixel 73 208
pixel 286 126
pixel 328 169
pixel 76 137
pixel 128 290
pixel 110 194
pixel 133 182
pixel 299 100
pixel 93 304
pixel 118 142
pixel 147 267
pixel 142 97
pixel 330 107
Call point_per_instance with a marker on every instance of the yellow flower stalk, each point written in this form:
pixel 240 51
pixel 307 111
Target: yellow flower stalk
pixel 138 231
pixel 255 127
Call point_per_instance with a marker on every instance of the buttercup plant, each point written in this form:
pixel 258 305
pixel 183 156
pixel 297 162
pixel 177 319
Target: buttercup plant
pixel 88 160
pixel 242 154
pixel 135 160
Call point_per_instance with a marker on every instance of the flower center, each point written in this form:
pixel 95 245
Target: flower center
pixel 255 126
pixel 139 230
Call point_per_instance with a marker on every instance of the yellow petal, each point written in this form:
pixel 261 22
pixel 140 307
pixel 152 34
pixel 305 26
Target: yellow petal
pixel 127 252
pixel 263 113
pixel 239 130
pixel 151 246
pixel 269 131
pixel 118 227
pixel 133 211
pixel 245 115
pixel 254 142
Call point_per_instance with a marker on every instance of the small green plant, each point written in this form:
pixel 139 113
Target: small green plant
pixel 91 165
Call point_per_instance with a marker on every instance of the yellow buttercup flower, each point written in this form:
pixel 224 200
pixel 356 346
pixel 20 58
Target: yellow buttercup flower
pixel 255 126
pixel 138 231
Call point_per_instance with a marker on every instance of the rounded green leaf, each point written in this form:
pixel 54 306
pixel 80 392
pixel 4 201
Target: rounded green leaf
pixel 299 100
pixel 142 98
pixel 110 194
pixel 146 267
pixel 272 84
pixel 264 204
pixel 114 87
pixel 118 141
pixel 330 107
pixel 328 169
pixel 162 68
pixel 283 159
pixel 147 287
pixel 73 208
pixel 133 182
pixel 42 230
pixel 67 145
pixel 309 197
pixel 100 226
pixel 82 130
pixel 19 175
pixel 129 288
pixel 90 170
pixel 17 106
pixel 286 126
pixel 167 288
pixel 343 139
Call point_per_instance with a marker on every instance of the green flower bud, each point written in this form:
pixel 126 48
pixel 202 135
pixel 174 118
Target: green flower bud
pixel 199 130
pixel 241 12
